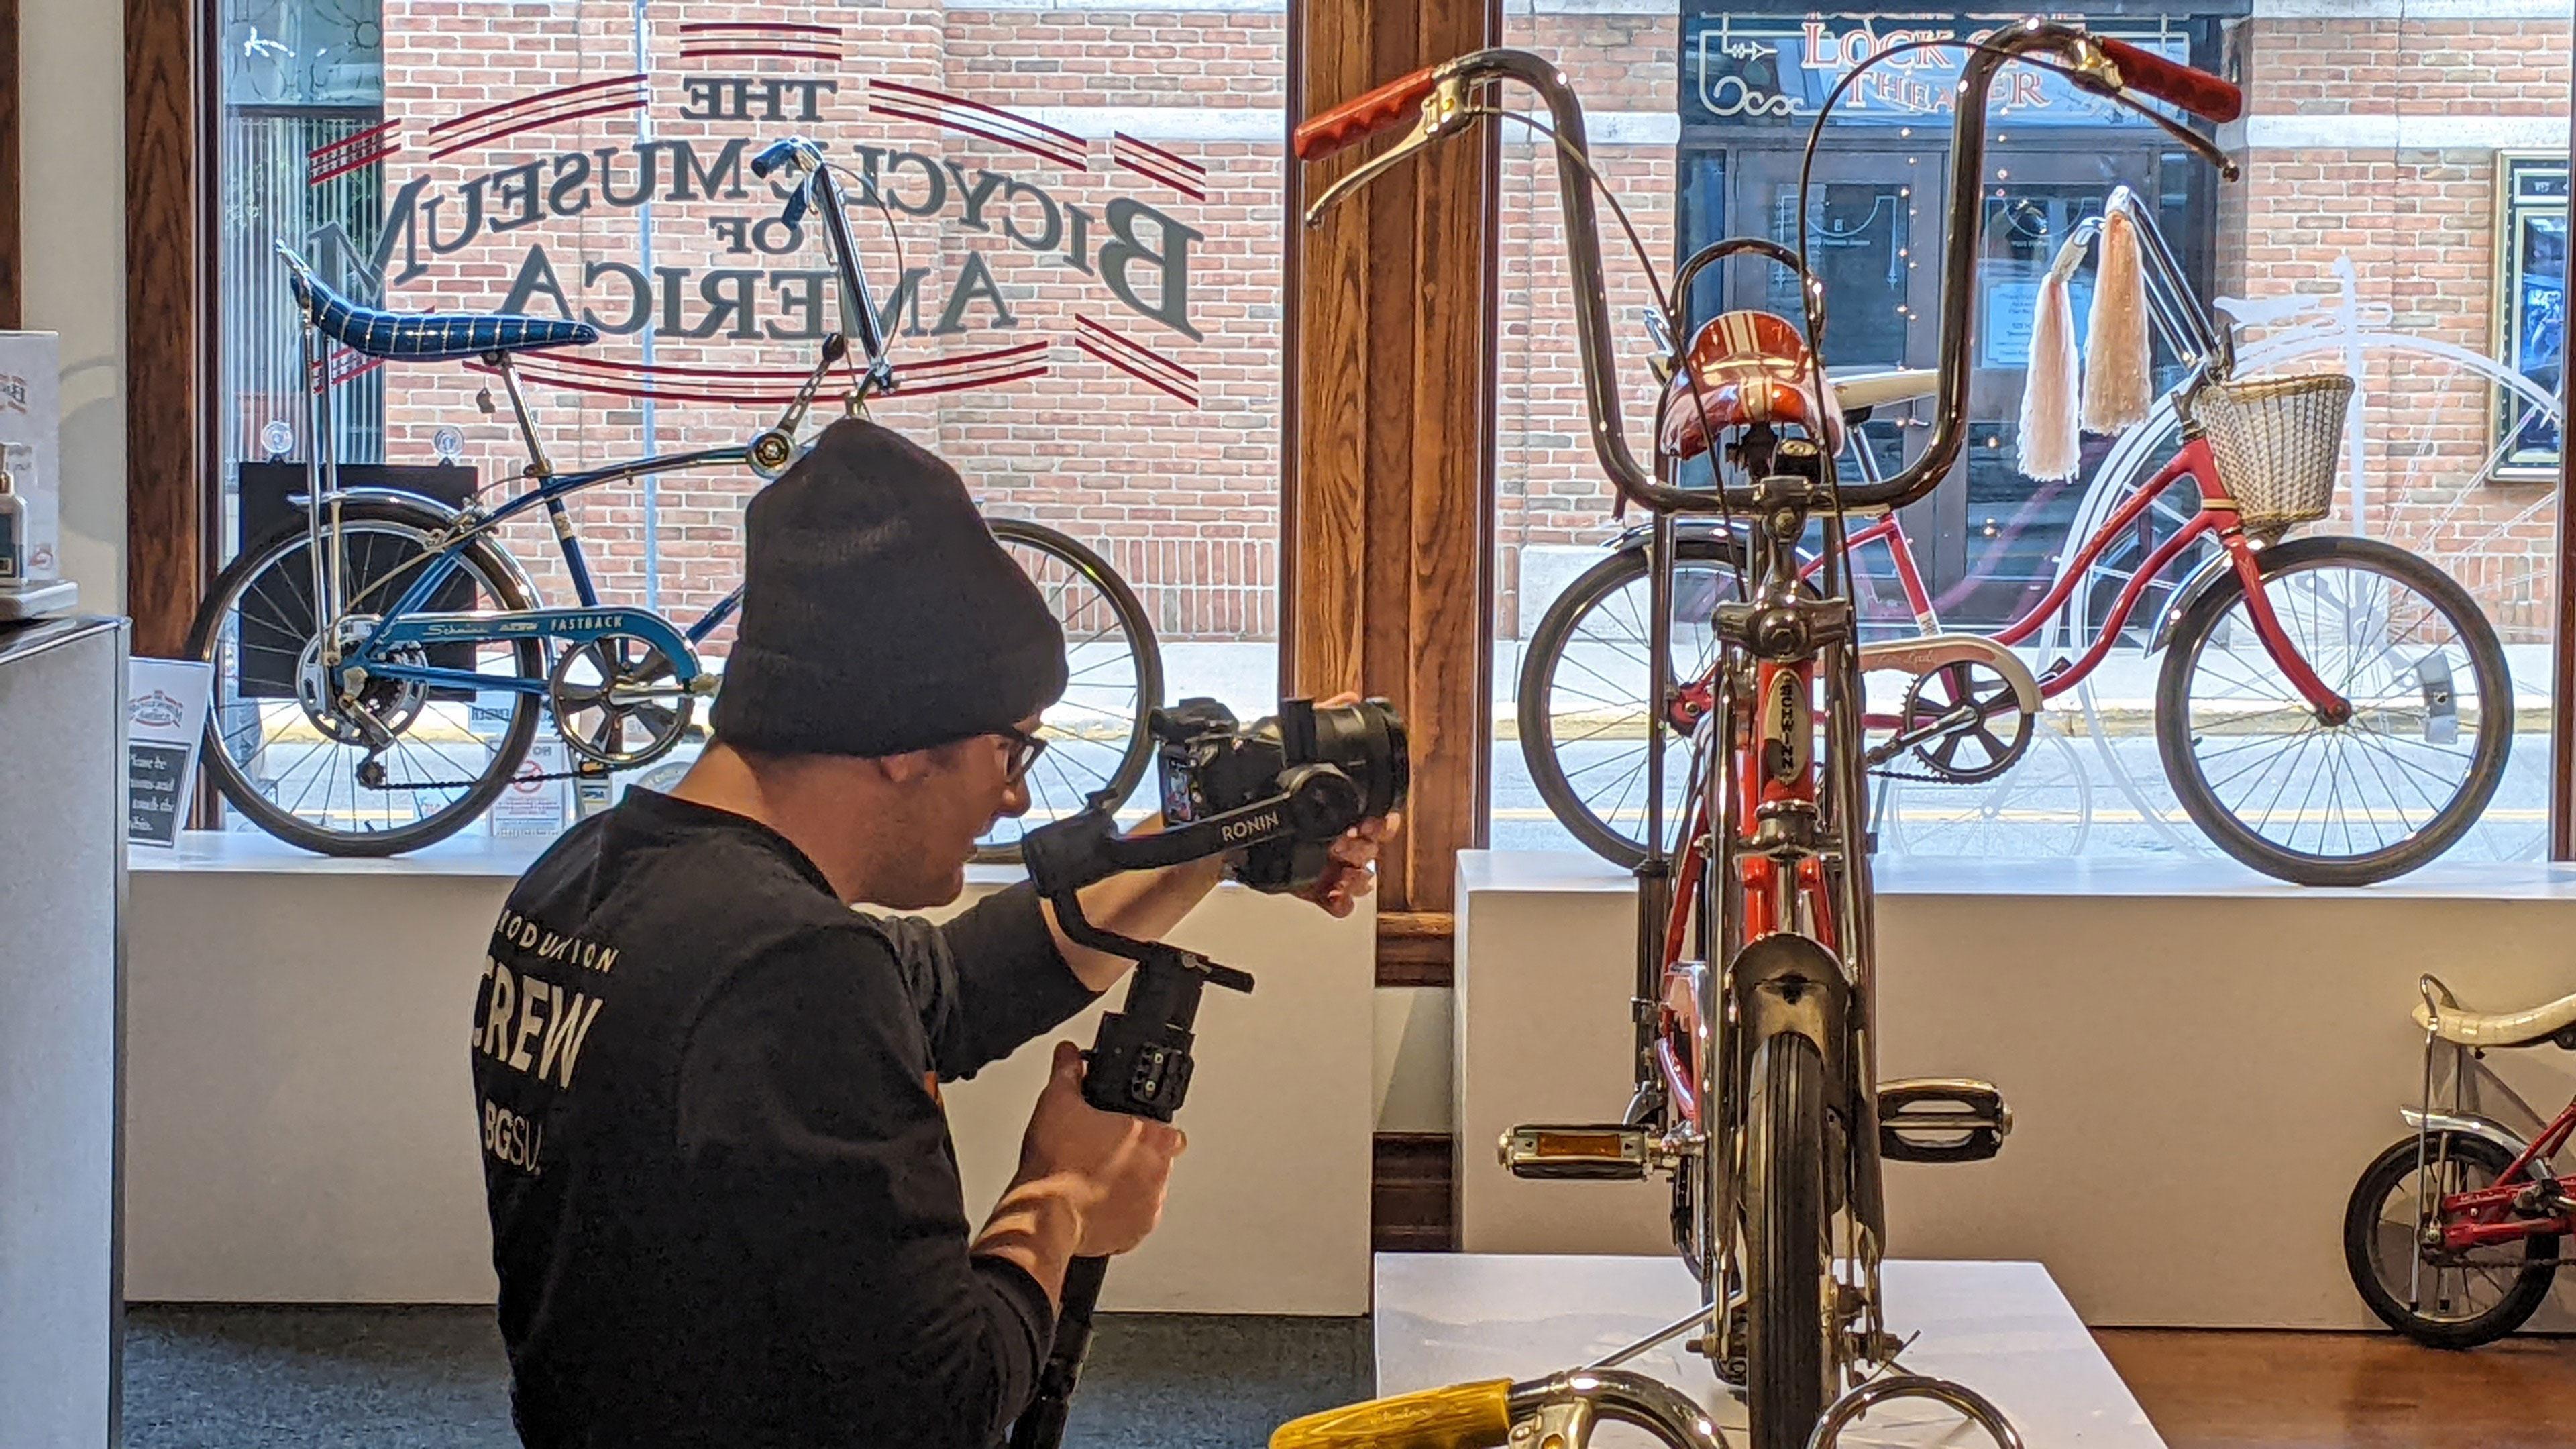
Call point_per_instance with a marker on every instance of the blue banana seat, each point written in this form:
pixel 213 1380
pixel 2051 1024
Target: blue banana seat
pixel 424 337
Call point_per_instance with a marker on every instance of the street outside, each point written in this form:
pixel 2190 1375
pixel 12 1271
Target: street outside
pixel 2071 794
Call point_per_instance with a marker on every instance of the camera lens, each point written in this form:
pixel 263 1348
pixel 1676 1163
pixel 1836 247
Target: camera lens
pixel 1367 741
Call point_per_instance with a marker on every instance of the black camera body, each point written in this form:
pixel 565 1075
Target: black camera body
pixel 1328 770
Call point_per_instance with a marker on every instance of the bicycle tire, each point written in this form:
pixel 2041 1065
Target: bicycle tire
pixel 2451 819
pixel 1129 613
pixel 1786 1254
pixel 204 636
pixel 2365 1217
pixel 1556 632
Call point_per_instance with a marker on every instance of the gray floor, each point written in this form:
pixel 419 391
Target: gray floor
pixel 433 1378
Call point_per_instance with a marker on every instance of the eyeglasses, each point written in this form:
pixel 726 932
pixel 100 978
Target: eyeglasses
pixel 1025 749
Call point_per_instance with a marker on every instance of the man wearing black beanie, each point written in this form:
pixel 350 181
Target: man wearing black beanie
pixel 724 1206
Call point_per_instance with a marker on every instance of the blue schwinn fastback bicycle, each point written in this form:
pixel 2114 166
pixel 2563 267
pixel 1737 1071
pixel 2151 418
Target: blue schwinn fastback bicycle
pixel 381 665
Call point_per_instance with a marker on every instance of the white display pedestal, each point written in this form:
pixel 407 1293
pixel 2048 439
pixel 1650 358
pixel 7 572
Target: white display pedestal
pixel 2199 1061
pixel 301 1126
pixel 2001 1329
pixel 62 895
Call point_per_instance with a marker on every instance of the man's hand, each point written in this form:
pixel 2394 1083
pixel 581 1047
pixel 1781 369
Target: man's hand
pixel 1113 1168
pixel 1353 871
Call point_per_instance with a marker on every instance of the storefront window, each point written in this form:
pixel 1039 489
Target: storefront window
pixel 2401 219
pixel 1069 217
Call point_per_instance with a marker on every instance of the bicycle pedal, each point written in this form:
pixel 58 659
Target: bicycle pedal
pixel 1938 1119
pixel 1604 1153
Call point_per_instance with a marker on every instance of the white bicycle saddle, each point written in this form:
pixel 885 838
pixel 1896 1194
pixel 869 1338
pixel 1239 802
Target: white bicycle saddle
pixel 1860 391
pixel 2497 1028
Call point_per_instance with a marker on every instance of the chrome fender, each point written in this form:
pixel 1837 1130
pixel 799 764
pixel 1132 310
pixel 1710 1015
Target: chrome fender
pixel 2473 1124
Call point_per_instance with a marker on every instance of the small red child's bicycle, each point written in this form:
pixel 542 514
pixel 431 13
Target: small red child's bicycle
pixel 2452 1234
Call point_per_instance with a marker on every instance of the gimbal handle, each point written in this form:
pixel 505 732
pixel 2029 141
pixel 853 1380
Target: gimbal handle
pixel 1140 1062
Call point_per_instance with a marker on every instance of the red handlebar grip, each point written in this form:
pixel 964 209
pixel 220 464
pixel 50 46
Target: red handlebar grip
pixel 2196 91
pixel 1362 115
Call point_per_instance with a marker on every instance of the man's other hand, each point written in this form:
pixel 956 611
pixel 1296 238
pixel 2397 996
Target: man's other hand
pixel 1112 1168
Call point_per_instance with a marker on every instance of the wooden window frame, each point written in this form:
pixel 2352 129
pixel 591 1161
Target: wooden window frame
pixel 1387 514
pixel 171 128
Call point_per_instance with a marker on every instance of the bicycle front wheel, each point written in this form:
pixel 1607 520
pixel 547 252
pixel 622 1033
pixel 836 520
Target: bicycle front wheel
pixel 2377 795
pixel 1096 735
pixel 298 765
pixel 1787 1254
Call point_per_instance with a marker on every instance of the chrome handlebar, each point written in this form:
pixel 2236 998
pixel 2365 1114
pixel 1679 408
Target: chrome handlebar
pixel 1447 108
pixel 2190 327
pixel 1564 1405
pixel 809 177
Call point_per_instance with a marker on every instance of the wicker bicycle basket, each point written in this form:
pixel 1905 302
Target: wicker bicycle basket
pixel 2276 441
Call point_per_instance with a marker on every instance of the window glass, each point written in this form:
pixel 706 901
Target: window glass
pixel 1069 217
pixel 2400 220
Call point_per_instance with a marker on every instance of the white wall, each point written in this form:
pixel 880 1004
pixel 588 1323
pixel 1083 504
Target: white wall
pixel 299 1109
pixel 71 111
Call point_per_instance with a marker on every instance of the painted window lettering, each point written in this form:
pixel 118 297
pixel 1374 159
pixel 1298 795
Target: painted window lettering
pixel 1139 252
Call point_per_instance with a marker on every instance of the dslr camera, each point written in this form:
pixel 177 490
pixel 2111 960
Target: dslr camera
pixel 1323 770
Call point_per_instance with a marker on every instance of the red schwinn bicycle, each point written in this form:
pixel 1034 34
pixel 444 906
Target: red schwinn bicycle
pixel 2329 710
pixel 1758 1088
pixel 2452 1233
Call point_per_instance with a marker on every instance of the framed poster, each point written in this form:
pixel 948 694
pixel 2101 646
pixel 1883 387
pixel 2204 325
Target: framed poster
pixel 2531 305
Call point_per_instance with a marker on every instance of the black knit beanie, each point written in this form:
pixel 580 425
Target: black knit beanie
pixel 878 613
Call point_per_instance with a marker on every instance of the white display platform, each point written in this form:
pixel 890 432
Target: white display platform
pixel 300 1110
pixel 63 706
pixel 2001 1329
pixel 2200 1061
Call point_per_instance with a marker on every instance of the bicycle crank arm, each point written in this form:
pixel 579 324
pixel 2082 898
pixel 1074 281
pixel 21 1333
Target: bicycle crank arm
pixel 1936 1119
pixel 1957 719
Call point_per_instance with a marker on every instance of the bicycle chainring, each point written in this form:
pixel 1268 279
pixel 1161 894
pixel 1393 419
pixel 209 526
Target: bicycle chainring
pixel 617 700
pixel 1975 749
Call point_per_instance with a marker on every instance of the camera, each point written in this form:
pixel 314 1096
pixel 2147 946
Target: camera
pixel 1329 769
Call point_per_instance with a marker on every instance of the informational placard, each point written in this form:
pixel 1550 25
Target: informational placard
pixel 165 721
pixel 532 805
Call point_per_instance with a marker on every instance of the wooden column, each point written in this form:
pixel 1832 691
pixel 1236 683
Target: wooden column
pixel 169 324
pixel 1388 513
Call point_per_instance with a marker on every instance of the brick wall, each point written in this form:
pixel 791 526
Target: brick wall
pixel 1182 497
pixel 1178 492
pixel 2418 225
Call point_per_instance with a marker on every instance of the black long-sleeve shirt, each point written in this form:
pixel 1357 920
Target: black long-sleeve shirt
pixel 725 1209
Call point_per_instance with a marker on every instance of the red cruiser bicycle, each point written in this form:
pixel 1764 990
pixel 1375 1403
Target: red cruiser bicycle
pixel 1758 1089
pixel 2329 710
